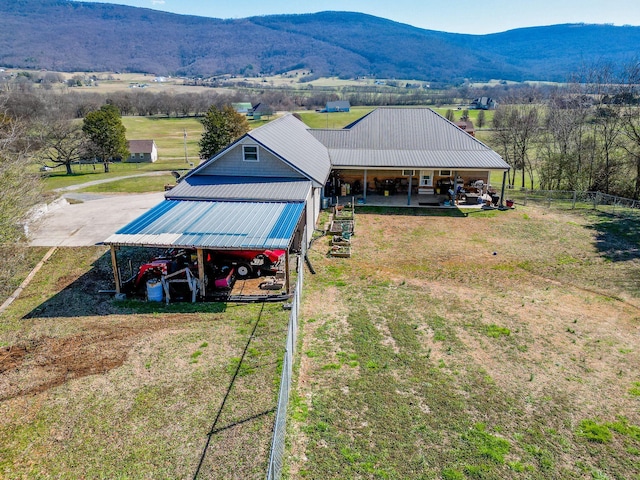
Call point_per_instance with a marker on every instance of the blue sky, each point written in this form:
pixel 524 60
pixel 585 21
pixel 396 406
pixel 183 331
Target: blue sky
pixel 460 16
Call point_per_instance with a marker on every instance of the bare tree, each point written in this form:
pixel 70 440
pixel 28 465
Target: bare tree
pixel 516 130
pixel 62 143
pixel 631 122
pixel 565 160
pixel 20 187
pixel 603 85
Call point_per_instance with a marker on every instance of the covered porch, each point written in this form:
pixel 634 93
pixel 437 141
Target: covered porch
pixel 413 187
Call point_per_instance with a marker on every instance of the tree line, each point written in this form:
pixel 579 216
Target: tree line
pixel 582 135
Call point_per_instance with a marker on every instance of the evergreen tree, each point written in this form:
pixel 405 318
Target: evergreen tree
pixel 106 133
pixel 221 127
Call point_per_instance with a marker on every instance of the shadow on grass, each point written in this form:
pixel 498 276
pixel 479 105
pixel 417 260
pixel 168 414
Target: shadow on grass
pixel 92 295
pixel 411 211
pixel 617 238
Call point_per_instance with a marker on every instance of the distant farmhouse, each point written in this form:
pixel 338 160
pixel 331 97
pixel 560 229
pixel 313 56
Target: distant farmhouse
pixel 242 107
pixel 142 151
pixel 337 106
pixel 484 103
pixel 260 110
pixel 467 126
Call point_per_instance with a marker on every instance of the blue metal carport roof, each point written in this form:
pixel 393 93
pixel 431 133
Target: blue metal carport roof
pixel 213 225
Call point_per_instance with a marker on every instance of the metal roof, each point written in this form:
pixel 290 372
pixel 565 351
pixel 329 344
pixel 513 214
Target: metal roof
pixel 416 159
pixel 407 137
pixel 251 189
pixel 290 140
pixel 212 225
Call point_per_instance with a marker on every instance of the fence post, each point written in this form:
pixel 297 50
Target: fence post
pixel 575 197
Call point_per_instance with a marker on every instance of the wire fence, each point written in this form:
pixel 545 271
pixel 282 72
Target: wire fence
pixel 574 200
pixel 276 458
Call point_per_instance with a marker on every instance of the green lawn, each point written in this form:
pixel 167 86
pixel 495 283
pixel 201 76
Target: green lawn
pixel 133 185
pixel 168 134
pixel 334 119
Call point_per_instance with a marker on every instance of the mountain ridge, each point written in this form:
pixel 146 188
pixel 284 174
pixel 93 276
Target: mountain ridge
pixel 81 36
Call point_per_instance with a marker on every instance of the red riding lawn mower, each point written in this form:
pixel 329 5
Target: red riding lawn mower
pixel 221 268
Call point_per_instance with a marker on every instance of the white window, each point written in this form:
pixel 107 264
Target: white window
pixel 426 178
pixel 250 153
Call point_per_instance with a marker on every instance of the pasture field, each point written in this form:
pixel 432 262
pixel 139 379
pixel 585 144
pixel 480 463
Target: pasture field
pixel 93 388
pixel 168 133
pixel 485 345
pixel 334 119
pixel 453 345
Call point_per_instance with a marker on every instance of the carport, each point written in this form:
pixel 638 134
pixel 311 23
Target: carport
pixel 213 226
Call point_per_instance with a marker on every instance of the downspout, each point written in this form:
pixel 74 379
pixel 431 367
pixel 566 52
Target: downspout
pixel 409 192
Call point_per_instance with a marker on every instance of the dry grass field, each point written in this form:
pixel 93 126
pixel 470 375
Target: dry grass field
pixel 451 345
pixel 92 388
pixel 490 345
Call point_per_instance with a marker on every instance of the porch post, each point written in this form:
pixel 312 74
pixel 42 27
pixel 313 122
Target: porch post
pixel 409 192
pixel 116 269
pixel 364 190
pixel 203 287
pixel 504 181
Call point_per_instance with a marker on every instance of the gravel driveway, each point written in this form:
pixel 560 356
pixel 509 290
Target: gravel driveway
pixel 90 222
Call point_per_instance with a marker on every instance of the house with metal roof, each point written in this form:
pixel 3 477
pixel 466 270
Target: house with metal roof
pixel 262 192
pixel 406 150
pixel 265 190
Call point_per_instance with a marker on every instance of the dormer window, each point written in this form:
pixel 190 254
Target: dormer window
pixel 250 153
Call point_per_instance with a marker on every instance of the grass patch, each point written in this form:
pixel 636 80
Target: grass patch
pixel 594 431
pixel 132 185
pixel 495 331
pixel 635 389
pixel 436 394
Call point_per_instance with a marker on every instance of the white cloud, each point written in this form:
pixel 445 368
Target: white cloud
pixel 157 2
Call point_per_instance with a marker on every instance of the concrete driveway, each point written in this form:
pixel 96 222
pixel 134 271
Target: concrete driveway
pixel 90 222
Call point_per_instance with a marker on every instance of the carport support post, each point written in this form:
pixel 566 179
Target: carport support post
pixel 364 190
pixel 203 287
pixel 116 269
pixel 287 278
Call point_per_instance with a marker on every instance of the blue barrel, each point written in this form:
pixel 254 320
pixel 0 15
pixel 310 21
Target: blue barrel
pixel 154 290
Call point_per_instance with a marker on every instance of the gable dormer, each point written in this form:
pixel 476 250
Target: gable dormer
pixel 248 158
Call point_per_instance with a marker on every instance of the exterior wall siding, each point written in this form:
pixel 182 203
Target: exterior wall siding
pixel 232 163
